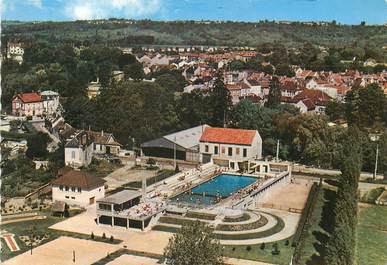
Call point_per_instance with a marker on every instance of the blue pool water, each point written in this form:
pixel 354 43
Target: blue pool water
pixel 222 185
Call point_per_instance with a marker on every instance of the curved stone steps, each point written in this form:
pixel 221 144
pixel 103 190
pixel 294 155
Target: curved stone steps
pixel 271 222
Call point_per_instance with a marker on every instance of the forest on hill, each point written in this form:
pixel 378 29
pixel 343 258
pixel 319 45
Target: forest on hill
pixel 121 32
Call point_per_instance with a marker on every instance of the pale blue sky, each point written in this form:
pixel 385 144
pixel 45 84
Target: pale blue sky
pixel 343 11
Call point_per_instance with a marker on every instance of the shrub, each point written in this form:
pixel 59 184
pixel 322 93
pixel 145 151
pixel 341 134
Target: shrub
pixel 262 246
pixel 372 195
pixel 92 235
pixel 103 236
pixel 233 249
pixel 111 238
pixel 275 250
pixel 248 248
pixel 287 242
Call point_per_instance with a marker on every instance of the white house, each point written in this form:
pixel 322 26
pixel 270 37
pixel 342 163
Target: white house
pixel 229 147
pixel 50 101
pixel 15 51
pixel 77 188
pixel 79 150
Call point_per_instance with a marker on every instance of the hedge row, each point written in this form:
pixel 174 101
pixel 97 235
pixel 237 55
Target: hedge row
pixel 244 217
pixel 241 227
pixel 203 216
pixel 304 223
pixel 275 229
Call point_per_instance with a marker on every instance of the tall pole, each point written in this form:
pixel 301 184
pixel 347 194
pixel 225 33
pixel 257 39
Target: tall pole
pixel 174 153
pixel 277 150
pixel 376 160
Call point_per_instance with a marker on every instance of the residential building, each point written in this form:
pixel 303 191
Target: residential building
pixel 15 51
pixel 79 150
pixel 50 102
pixel 27 104
pixel 230 147
pixel 77 188
pixel 104 143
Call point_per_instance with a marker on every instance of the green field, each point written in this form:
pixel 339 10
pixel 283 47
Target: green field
pixel 372 235
pixel 265 255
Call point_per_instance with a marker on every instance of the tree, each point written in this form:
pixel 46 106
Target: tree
pixel 335 110
pixel 104 74
pixel 126 59
pixel 194 244
pixel 37 145
pixel 220 100
pixel 366 106
pixel 274 97
pixel 342 244
pixel 135 71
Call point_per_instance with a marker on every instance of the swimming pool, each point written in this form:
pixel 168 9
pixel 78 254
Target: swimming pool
pixel 220 186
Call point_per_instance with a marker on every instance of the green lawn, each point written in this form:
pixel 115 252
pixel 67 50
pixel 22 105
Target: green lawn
pixel 372 235
pixel 256 253
pixel 39 228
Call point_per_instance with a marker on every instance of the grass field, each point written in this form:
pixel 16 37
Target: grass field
pixel 265 255
pixel 372 235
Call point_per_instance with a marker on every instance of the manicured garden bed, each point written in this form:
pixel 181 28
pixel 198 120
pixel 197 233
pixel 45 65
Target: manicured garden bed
pixel 203 216
pixel 241 227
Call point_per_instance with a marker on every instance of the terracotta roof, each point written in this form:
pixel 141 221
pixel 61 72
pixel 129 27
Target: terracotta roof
pixel 102 138
pixel 29 97
pixel 228 136
pixel 309 104
pixel 76 178
pixel 316 96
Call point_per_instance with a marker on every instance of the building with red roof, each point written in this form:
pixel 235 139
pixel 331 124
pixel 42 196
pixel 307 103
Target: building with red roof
pixel 76 187
pixel 27 104
pixel 230 147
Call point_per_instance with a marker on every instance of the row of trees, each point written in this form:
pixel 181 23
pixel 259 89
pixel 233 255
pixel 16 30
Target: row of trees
pixel 342 243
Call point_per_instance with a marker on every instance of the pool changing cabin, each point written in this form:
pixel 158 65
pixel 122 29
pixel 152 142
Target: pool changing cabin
pixel 127 209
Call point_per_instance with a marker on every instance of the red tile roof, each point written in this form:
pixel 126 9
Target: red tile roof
pixel 29 97
pixel 228 136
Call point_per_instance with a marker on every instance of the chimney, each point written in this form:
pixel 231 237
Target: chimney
pixel 102 133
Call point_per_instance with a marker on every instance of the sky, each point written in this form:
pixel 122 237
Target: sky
pixel 343 11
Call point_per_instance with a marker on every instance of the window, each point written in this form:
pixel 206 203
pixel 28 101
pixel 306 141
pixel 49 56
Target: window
pixel 206 148
pixel 223 150
pixel 100 147
pixel 67 188
pixel 67 197
pixel 230 151
pixel 244 152
pixel 73 154
pixel 73 198
pixel 73 189
pixel 237 151
pixel 216 150
pixel 103 206
pixel 61 187
pixel 79 189
pixel 94 146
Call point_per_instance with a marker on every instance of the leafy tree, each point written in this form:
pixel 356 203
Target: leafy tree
pixel 194 244
pixel 335 110
pixel 366 106
pixel 104 74
pixel 220 102
pixel 37 145
pixel 284 70
pixel 274 97
pixel 126 59
pixel 135 71
pixel 169 81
